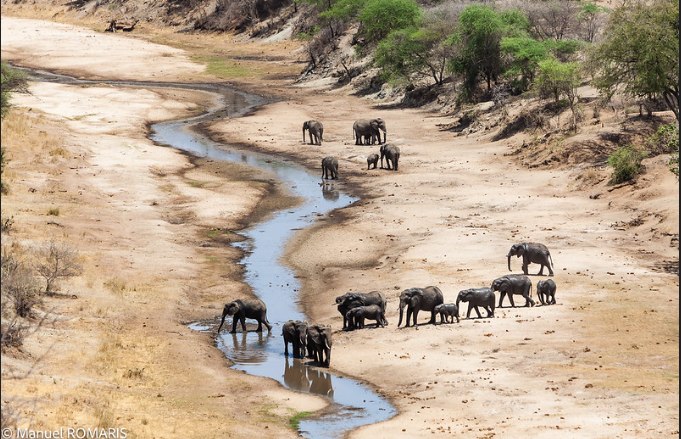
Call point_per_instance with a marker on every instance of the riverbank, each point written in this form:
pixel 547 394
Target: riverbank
pixel 601 363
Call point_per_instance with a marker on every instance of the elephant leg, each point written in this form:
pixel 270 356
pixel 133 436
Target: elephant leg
pixel 510 297
pixel 490 311
pixel 501 298
pixel 432 317
pixel 415 314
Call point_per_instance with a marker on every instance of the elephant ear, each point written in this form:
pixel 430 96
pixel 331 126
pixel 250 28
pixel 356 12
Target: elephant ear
pixel 416 296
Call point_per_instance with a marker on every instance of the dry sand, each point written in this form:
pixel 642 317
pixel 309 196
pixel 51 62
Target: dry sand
pixel 602 363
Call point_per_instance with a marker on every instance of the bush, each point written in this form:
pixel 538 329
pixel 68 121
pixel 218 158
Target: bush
pixel 626 163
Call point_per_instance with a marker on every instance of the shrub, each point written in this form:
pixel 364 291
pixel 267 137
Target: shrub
pixel 626 163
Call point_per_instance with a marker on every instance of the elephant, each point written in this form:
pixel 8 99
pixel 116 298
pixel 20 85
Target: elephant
pixel 246 309
pixel 319 344
pixel 391 154
pixel 329 168
pixel 477 297
pixel 316 131
pixel 348 301
pixel 532 252
pixel 295 332
pixel 417 299
pixel 357 315
pixel 546 290
pixel 513 285
pixel 447 312
pixel 369 128
pixel 372 160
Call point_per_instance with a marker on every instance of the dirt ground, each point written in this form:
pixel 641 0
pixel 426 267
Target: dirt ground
pixel 602 363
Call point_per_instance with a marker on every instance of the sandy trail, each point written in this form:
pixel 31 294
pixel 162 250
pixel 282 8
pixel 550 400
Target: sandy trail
pixel 603 362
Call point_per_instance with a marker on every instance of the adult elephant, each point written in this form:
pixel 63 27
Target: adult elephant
pixel 369 129
pixel 316 131
pixel 329 168
pixel 391 154
pixel 417 299
pixel 246 309
pixel 532 253
pixel 319 344
pixel 510 285
pixel 546 291
pixel 477 297
pixel 348 301
pixel 295 332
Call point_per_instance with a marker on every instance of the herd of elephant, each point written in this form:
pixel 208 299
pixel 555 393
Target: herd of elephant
pixel 365 132
pixel 315 341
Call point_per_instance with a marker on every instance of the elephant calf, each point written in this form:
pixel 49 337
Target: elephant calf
pixel 348 301
pixel 329 168
pixel 546 291
pixel 447 312
pixel 372 160
pixel 356 316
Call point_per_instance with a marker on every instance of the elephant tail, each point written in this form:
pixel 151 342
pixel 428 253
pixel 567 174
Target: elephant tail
pixel 551 260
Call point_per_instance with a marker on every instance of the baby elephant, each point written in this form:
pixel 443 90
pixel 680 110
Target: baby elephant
pixel 447 312
pixel 546 290
pixel 372 160
pixel 356 316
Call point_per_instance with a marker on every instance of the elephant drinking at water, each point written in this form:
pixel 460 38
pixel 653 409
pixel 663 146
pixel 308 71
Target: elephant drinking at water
pixel 369 129
pixel 532 253
pixel 417 299
pixel 246 309
pixel 295 332
pixel 319 343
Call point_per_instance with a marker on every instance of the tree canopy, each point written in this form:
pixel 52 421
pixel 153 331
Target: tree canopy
pixel 639 54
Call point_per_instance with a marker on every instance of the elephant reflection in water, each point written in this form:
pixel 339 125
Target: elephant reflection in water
pixel 299 376
pixel 320 382
pixel 329 192
pixel 255 353
pixel 295 375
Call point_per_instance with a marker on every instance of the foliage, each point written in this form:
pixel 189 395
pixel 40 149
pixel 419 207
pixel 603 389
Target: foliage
pixel 380 17
pixel 556 79
pixel 19 286
pixel 345 10
pixel 666 140
pixel 478 41
pixel 588 18
pixel 626 163
pixel 12 80
pixel 525 54
pixel 640 52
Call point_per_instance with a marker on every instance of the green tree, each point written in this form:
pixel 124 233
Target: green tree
pixel 478 41
pixel 639 54
pixel 12 80
pixel 344 10
pixel 380 17
pixel 589 19
pixel 626 163
pixel 525 54
pixel 559 80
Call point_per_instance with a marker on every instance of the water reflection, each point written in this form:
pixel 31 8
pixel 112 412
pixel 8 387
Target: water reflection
pixel 299 376
pixel 329 191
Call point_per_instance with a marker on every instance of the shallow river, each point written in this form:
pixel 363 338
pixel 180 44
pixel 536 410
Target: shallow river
pixel 262 354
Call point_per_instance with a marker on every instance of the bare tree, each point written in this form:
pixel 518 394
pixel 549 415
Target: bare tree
pixel 557 19
pixel 56 261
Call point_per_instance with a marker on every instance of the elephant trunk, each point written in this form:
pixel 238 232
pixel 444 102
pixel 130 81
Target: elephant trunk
pixel 401 311
pixel 303 134
pixel 458 300
pixel 224 314
pixel 509 261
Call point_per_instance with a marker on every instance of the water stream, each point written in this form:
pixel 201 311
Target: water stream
pixel 261 354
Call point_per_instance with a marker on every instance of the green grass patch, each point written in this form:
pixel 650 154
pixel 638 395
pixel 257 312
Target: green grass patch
pixel 294 421
pixel 225 68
